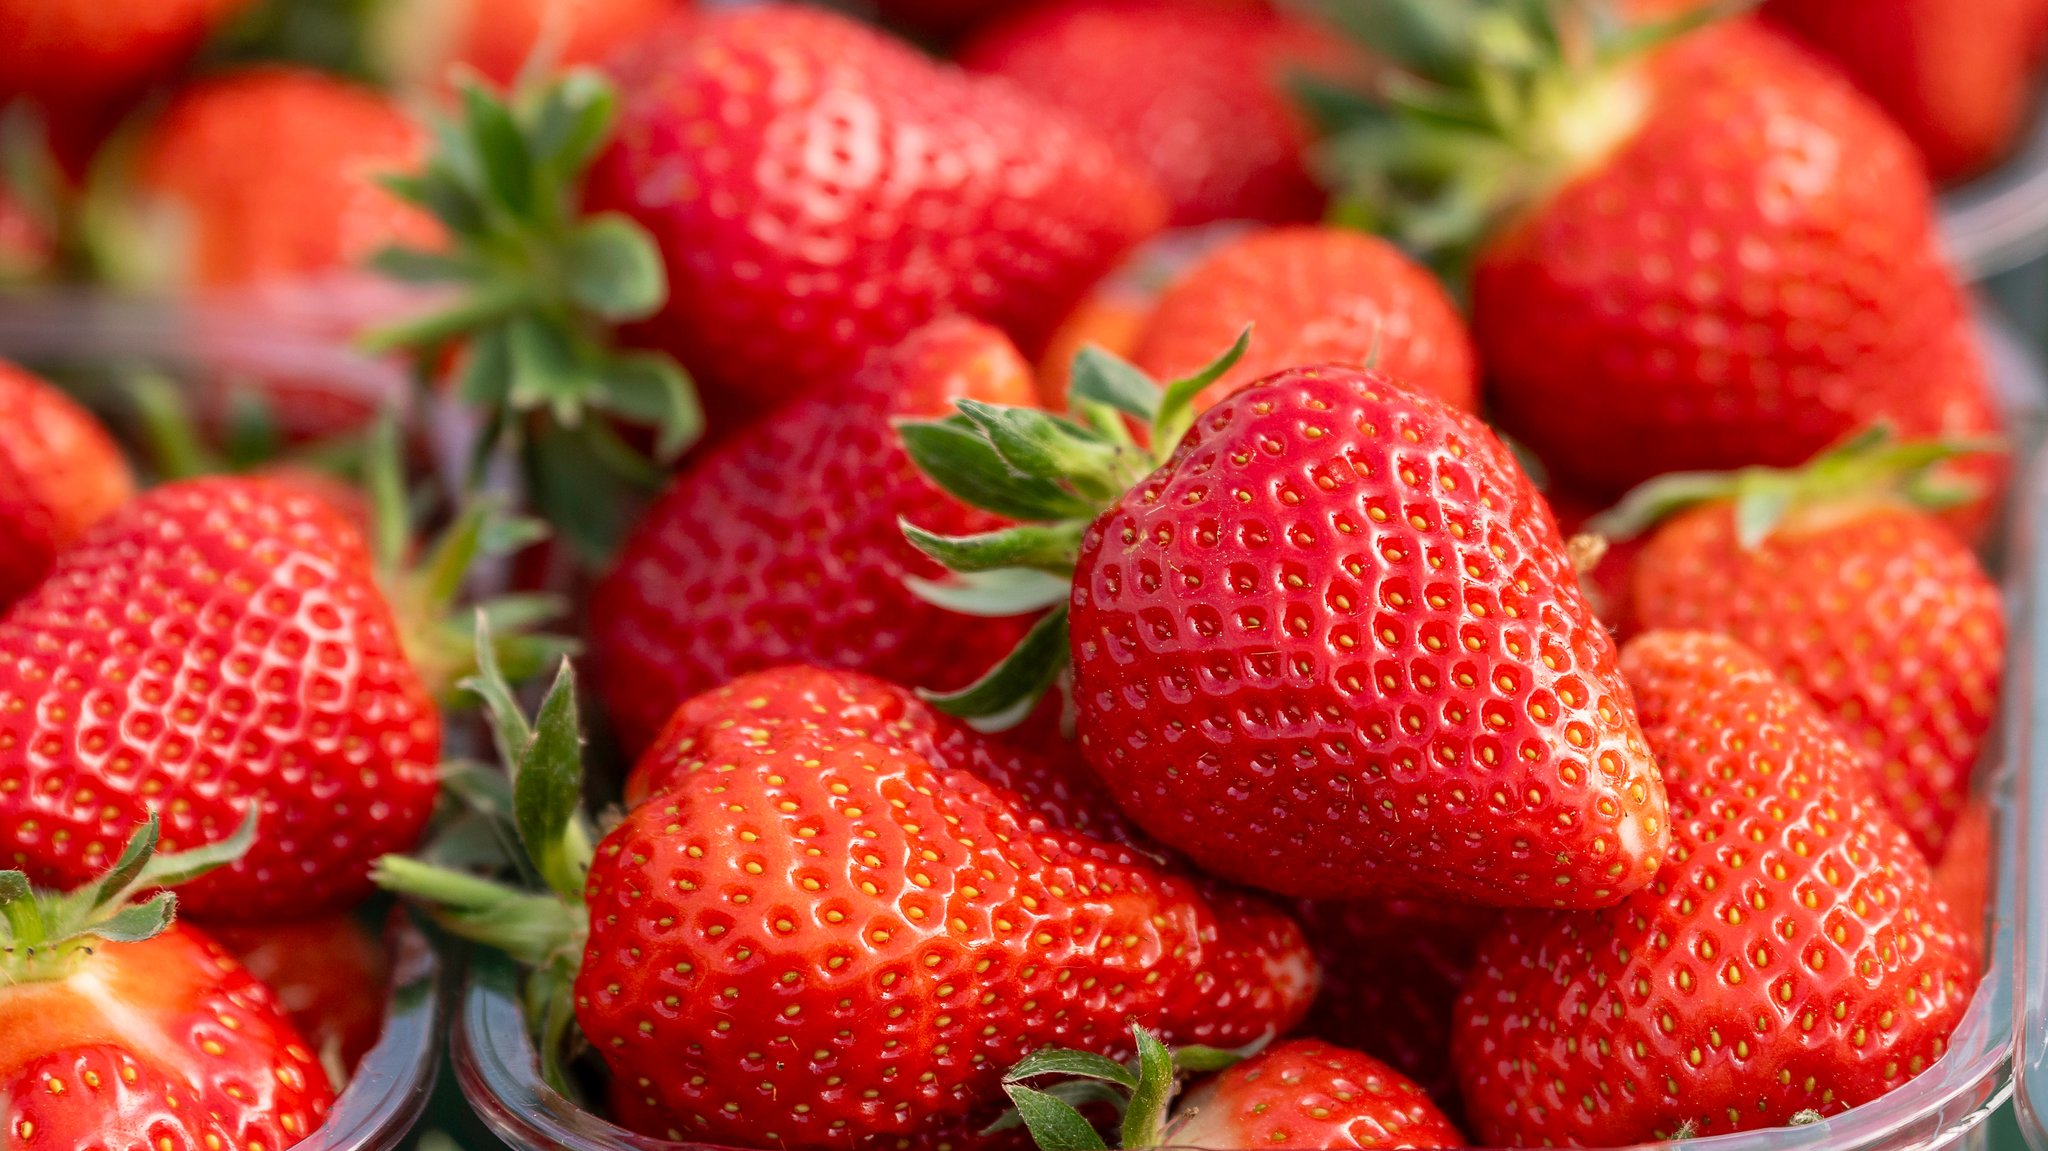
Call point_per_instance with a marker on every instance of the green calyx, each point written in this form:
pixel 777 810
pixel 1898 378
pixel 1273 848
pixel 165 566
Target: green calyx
pixel 1139 1092
pixel 530 822
pixel 540 287
pixel 41 932
pixel 1871 465
pixel 1055 474
pixel 1487 106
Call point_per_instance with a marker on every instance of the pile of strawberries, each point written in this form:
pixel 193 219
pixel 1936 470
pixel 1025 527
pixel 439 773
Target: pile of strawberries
pixel 1161 572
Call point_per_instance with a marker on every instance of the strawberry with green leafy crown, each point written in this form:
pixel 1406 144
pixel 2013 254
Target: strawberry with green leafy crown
pixel 1332 646
pixel 1841 577
pixel 1703 254
pixel 1302 1093
pixel 782 545
pixel 60 473
pixel 217 646
pixel 1792 960
pixel 122 1030
pixel 810 934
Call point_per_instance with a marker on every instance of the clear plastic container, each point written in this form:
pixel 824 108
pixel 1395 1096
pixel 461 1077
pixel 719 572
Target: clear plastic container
pixel 494 1060
pixel 2000 220
pixel 391 1083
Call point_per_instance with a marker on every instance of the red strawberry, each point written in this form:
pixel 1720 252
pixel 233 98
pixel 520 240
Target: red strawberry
pixel 1391 973
pixel 1957 75
pixel 1721 254
pixel 1196 92
pixel 818 191
pixel 498 38
pixel 1332 647
pixel 813 938
pixel 1871 606
pixel 60 473
pixel 120 1031
pixel 271 173
pixel 1313 296
pixel 783 545
pixel 1964 875
pixel 216 645
pixel 1792 957
pixel 1306 1093
pixel 85 53
pixel 1609 583
pixel 329 974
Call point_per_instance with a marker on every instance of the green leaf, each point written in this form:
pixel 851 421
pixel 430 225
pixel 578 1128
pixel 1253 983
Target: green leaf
pixel 472 313
pixel 994 594
pixel 419 266
pixel 547 790
pixel 1177 406
pixel 485 380
pixel 1067 1062
pixel 611 268
pixel 651 388
pixel 1145 1117
pixel 1100 377
pixel 1046 547
pixel 1759 510
pixel 1075 1093
pixel 1197 1059
pixel 1054 1124
pixel 383 469
pixel 114 885
pixel 965 464
pixel 137 922
pixel 588 484
pixel 1007 693
pixel 18 907
pixel 574 121
pixel 1659 499
pixel 1036 443
pixel 529 927
pixel 510 730
pixel 501 149
pixel 188 865
pixel 547 373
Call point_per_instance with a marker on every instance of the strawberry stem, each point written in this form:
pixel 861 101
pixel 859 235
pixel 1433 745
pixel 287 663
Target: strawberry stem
pixel 1141 1091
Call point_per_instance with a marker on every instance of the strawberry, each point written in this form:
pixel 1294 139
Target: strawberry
pixel 1791 961
pixel 1965 876
pixel 60 473
pixel 498 38
pixel 1609 581
pixel 1391 973
pixel 85 54
pixel 813 569
pixel 271 173
pixel 27 249
pixel 1956 75
pixel 329 974
pixel 1710 254
pixel 1307 648
pixel 119 1030
pixel 216 646
pixel 1302 1093
pixel 814 872
pixel 1848 591
pixel 1196 92
pixel 1312 295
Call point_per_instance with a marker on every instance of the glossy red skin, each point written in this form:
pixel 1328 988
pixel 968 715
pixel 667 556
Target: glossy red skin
pixel 496 38
pixel 215 641
pixel 1312 295
pixel 1265 684
pixel 84 53
pixel 1956 75
pixel 783 545
pixel 167 1043
pixel 1392 969
pixel 819 191
pixel 807 918
pixel 270 173
pixel 329 974
pixel 1610 584
pixel 1582 1030
pixel 1748 278
pixel 1308 1094
pixel 60 473
pixel 1883 616
pixel 753 707
pixel 1196 92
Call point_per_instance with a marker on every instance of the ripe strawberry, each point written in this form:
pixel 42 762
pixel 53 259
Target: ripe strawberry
pixel 498 38
pixel 1609 583
pixel 85 54
pixel 270 173
pixel 119 1030
pixel 906 927
pixel 1849 592
pixel 1792 957
pixel 782 544
pixel 1721 255
pixel 1332 647
pixel 1964 876
pixel 818 191
pixel 1312 295
pixel 1303 1093
pixel 60 473
pixel 1196 92
pixel 329 974
pixel 1956 75
pixel 1111 318
pixel 1391 973
pixel 216 645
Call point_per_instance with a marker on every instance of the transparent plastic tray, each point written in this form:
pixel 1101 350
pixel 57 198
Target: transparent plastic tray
pixel 495 1065
pixel 391 1083
pixel 2000 220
